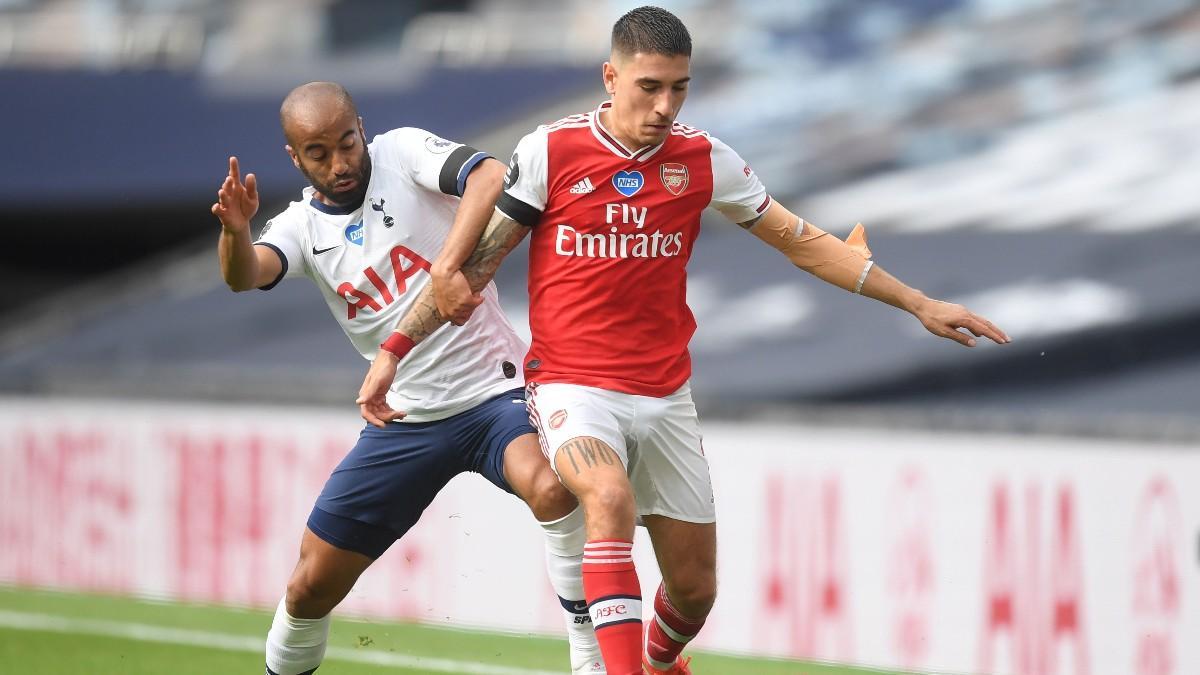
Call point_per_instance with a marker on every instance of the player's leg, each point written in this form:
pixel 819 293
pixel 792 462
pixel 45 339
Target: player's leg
pixel 558 512
pixel 675 500
pixel 372 498
pixel 502 446
pixel 687 556
pixel 528 473
pixel 581 429
pixel 322 578
pixel 592 470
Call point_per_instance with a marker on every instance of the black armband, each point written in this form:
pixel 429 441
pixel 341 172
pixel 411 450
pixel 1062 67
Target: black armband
pixel 453 178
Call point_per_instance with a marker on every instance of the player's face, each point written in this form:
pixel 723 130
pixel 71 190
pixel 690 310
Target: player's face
pixel 647 92
pixel 332 155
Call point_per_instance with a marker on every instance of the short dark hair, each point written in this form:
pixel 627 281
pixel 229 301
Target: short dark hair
pixel 651 30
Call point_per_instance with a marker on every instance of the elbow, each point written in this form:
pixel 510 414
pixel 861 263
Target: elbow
pixel 238 286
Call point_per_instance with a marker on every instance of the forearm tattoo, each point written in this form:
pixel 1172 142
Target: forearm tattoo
pixel 501 236
pixel 586 452
pixel 423 317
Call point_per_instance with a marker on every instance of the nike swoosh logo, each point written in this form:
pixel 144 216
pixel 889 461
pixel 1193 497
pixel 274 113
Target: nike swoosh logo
pixel 317 251
pixel 574 606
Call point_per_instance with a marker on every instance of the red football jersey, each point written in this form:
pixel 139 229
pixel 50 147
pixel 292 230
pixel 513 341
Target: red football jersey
pixel 613 230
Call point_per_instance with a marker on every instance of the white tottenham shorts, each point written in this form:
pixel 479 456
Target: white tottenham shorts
pixel 657 439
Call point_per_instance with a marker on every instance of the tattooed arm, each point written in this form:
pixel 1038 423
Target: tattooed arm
pixel 453 294
pixel 501 235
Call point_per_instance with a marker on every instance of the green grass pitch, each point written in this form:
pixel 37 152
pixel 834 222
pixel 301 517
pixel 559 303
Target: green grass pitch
pixel 44 633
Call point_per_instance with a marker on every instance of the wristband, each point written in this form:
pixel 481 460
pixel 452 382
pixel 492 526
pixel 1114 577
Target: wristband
pixel 862 278
pixel 398 344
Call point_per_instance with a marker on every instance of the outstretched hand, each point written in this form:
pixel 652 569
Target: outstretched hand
pixel 948 320
pixel 372 396
pixel 237 202
pixel 454 298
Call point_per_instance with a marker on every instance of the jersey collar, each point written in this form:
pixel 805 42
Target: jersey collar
pixel 608 140
pixel 331 209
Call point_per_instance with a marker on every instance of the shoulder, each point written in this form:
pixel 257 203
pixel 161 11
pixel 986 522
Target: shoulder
pixel 390 139
pixel 409 141
pixel 297 213
pixel 401 136
pixel 397 141
pixel 540 136
pixel 697 138
pixel 693 140
pixel 561 134
pixel 290 223
pixel 701 140
pixel 686 131
pixel 569 122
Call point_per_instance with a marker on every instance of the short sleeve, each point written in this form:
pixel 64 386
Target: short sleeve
pixel 737 191
pixel 524 196
pixel 281 235
pixel 433 162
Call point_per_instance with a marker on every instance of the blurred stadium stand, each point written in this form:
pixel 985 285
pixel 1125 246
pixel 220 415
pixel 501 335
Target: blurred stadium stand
pixel 1036 159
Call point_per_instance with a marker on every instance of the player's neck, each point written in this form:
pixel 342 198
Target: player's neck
pixel 609 121
pixel 347 208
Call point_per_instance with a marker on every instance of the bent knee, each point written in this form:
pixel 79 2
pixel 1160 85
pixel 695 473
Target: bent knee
pixel 610 498
pixel 548 498
pixel 609 509
pixel 695 595
pixel 309 598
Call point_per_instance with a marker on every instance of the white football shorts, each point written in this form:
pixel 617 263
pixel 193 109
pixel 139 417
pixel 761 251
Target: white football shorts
pixel 657 439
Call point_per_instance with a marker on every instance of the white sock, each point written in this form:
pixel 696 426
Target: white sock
pixel 565 538
pixel 294 645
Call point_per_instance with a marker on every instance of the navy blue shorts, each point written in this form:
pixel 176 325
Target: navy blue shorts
pixel 387 480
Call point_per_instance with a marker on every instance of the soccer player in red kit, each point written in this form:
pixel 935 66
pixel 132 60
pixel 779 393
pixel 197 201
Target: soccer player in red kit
pixel 613 199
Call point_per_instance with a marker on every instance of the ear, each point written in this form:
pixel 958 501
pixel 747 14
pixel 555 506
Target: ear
pixel 292 153
pixel 609 75
pixel 362 131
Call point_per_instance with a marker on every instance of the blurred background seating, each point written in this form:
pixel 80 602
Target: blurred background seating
pixel 1036 159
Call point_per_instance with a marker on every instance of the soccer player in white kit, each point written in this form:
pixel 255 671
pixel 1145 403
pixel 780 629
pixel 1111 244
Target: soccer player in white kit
pixel 612 200
pixel 367 232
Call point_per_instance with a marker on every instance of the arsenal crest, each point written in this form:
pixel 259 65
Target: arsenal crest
pixel 674 177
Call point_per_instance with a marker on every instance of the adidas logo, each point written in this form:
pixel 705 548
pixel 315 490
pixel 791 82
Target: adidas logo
pixel 583 187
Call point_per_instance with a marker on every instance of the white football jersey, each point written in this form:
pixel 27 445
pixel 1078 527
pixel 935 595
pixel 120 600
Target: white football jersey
pixel 370 264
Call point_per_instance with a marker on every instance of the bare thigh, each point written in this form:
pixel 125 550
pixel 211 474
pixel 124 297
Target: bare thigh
pixel 593 471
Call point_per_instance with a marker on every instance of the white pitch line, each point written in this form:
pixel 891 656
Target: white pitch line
pixel 241 643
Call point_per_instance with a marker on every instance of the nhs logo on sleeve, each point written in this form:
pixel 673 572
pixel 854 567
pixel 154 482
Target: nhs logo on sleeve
pixel 628 182
pixel 354 233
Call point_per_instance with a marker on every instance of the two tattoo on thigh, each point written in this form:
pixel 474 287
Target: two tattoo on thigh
pixel 586 453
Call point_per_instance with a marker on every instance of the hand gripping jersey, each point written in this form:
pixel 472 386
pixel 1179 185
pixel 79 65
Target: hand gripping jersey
pixel 371 262
pixel 613 230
